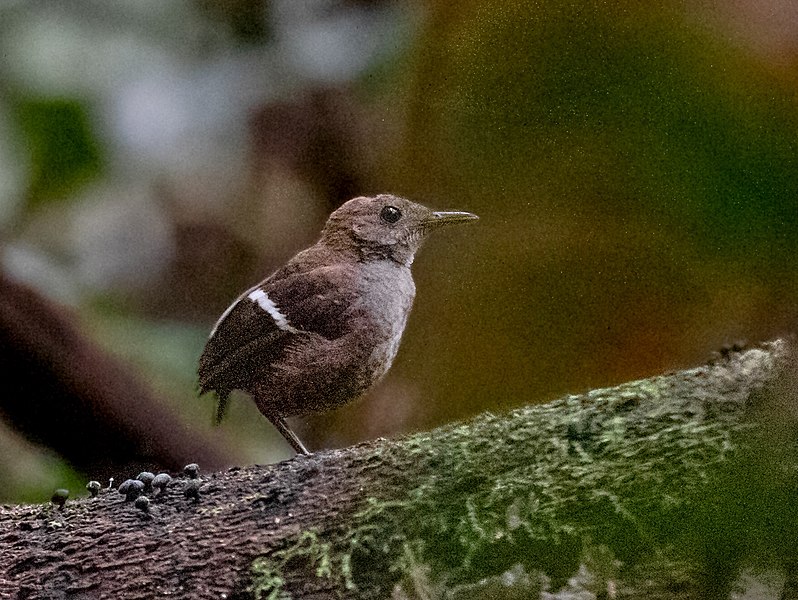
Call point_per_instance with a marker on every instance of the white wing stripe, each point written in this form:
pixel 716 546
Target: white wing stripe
pixel 263 300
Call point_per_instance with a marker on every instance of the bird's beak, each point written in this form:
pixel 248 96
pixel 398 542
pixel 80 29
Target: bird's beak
pixel 440 218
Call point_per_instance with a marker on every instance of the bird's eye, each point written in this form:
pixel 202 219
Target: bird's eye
pixel 390 214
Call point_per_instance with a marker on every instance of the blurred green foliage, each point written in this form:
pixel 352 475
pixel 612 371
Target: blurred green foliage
pixel 64 151
pixel 636 174
pixel 617 111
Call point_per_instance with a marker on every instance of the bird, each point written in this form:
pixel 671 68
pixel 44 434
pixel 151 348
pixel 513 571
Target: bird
pixel 326 326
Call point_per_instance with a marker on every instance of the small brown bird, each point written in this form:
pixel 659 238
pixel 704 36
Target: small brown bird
pixel 325 327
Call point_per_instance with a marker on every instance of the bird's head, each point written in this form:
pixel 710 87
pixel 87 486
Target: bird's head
pixel 386 226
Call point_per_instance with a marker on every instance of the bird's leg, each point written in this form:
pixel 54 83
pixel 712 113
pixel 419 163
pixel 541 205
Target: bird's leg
pixel 289 435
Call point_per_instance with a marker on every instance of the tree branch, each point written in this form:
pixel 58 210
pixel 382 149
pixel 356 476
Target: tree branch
pixel 678 486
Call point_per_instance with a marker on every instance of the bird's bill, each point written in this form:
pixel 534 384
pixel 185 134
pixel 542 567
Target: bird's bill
pixel 450 217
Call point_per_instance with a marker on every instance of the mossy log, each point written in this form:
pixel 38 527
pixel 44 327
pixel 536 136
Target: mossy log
pixel 678 486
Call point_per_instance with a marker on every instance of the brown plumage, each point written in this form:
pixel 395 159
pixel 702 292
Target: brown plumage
pixel 326 326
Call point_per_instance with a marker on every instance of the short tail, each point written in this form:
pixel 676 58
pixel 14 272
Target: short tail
pixel 222 397
pixel 221 407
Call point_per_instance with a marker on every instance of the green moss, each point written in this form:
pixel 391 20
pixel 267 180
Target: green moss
pixel 310 551
pixel 267 584
pixel 606 480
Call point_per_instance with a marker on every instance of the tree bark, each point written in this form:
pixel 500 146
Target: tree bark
pixel 678 486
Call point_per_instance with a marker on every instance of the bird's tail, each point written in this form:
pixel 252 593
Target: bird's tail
pixel 222 398
pixel 221 407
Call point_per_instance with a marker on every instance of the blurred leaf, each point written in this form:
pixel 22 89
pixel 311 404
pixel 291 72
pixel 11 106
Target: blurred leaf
pixel 30 473
pixel 64 152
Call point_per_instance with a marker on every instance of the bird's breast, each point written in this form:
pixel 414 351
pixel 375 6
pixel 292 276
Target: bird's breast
pixel 386 297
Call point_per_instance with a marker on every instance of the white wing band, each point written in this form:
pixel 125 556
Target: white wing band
pixel 263 300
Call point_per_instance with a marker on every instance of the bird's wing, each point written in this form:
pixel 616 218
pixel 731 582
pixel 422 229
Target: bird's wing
pixel 316 301
pixel 243 330
pixel 268 317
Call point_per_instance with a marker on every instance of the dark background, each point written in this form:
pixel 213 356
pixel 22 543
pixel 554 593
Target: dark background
pixel 634 168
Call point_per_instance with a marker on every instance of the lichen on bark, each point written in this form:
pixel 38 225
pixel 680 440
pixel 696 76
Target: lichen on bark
pixel 623 473
pixel 677 486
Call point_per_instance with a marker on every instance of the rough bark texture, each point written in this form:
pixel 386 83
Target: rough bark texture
pixel 679 486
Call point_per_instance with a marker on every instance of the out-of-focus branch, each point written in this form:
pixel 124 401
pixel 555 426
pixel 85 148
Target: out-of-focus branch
pixel 62 391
